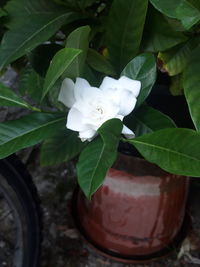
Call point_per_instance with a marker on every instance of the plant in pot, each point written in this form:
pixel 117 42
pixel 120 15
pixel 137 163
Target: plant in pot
pixel 62 51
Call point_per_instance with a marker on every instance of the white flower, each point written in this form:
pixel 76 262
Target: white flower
pixel 90 107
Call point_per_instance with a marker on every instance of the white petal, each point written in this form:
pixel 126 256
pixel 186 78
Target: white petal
pixel 66 95
pixel 89 95
pixel 127 132
pixel 113 94
pixel 109 83
pixel 74 121
pixel 81 106
pixel 132 85
pixel 127 102
pixel 80 85
pixel 87 135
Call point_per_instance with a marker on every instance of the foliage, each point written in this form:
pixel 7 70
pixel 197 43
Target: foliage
pixel 48 41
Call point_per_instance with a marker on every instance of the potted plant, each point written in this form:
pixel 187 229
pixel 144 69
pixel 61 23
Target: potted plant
pixel 99 59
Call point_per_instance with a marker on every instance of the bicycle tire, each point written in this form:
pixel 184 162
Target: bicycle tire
pixel 17 187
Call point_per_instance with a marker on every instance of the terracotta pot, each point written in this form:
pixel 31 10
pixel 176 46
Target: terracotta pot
pixel 139 209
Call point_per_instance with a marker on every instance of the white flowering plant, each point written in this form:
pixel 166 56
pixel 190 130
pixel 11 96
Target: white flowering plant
pixel 86 70
pixel 90 107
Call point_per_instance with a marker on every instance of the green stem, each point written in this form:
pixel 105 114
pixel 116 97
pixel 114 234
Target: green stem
pixel 36 109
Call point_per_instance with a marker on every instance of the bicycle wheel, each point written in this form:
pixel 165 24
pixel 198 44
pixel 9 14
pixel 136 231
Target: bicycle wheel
pixel 20 216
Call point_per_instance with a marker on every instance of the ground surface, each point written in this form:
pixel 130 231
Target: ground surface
pixel 62 245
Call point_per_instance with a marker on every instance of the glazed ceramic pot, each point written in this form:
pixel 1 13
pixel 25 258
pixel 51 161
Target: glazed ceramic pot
pixel 139 210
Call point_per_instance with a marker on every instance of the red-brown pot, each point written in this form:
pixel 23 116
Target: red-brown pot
pixel 139 209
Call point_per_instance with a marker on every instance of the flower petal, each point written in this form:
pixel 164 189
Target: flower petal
pixel 127 102
pixel 132 85
pixel 89 95
pixel 113 95
pixel 80 85
pixel 127 132
pixel 66 95
pixel 87 135
pixel 109 83
pixel 74 121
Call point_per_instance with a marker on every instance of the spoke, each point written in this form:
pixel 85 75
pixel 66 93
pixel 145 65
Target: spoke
pixel 4 216
pixel 7 241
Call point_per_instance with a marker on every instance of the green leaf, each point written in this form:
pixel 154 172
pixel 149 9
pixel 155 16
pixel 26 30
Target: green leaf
pixel 175 59
pixel 98 157
pixel 147 120
pixel 174 150
pixel 33 30
pixel 142 68
pixel 191 85
pixel 61 148
pixel 195 3
pixel 158 34
pixel 86 3
pixel 124 30
pixel 180 9
pixel 27 131
pixel 188 14
pixel 78 39
pixel 99 63
pixel 110 132
pixel 91 76
pixel 31 84
pixel 176 85
pixel 9 98
pixel 53 97
pixel 18 9
pixel 2 13
pixel 60 62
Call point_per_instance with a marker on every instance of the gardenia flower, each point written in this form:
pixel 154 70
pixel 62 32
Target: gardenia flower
pixel 90 107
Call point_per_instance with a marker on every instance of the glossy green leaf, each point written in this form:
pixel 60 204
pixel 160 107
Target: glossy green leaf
pixel 31 84
pixel 124 30
pixel 86 3
pixel 31 22
pixel 158 34
pixel 27 131
pixel 53 97
pixel 183 10
pixel 147 120
pixel 142 68
pixel 60 62
pixel 2 13
pixel 78 39
pixel 91 76
pixel 175 59
pixel 99 63
pixel 176 85
pixel 98 157
pixel 18 9
pixel 61 148
pixel 195 3
pixel 191 85
pixel 110 132
pixel 174 150
pixel 9 98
